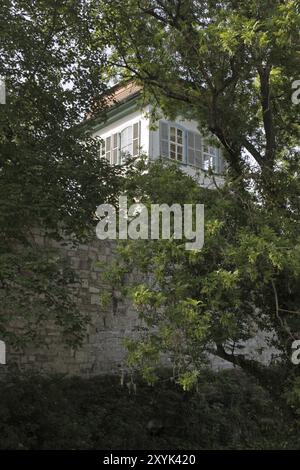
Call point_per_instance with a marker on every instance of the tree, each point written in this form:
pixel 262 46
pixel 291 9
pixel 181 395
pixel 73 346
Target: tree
pixel 230 66
pixel 51 177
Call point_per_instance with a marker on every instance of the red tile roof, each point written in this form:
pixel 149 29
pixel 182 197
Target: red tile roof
pixel 121 93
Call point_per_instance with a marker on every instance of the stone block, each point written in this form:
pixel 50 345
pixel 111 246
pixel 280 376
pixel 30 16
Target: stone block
pixel 95 299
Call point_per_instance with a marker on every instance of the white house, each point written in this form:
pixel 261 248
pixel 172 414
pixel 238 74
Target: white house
pixel 127 130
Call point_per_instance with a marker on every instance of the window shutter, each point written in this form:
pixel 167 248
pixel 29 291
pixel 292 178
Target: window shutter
pixel 102 148
pixel 107 148
pixel 164 139
pixel 190 148
pixel 221 161
pixel 215 159
pixel 115 149
pixel 194 150
pixel 136 139
pixel 198 150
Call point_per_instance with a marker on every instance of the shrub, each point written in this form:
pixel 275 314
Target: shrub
pixel 228 411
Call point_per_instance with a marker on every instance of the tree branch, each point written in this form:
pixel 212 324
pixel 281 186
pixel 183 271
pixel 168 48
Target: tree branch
pixel 264 76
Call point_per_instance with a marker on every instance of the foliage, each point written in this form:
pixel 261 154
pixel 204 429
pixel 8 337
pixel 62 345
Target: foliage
pixel 228 411
pixel 34 293
pixel 51 176
pixel 228 65
pixel 218 298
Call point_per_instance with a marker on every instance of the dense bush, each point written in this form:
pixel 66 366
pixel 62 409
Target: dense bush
pixel 227 411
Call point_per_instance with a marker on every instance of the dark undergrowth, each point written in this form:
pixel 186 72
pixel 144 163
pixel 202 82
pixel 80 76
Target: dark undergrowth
pixel 228 411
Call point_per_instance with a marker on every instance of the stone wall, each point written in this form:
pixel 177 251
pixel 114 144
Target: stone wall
pixel 103 348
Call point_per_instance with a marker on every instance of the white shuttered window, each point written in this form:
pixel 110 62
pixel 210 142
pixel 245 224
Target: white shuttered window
pixel 188 147
pixel 212 157
pixel 116 147
pixel 172 141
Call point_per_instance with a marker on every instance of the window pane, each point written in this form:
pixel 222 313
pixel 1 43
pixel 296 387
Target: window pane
pixel 107 144
pixel 179 153
pixel 179 136
pixel 205 164
pixel 213 151
pixel 126 143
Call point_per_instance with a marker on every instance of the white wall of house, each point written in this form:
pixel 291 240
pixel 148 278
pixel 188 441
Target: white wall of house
pixel 149 141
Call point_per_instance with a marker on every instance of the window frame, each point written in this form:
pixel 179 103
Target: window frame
pixel 114 153
pixel 186 133
pixel 177 127
pixel 214 157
